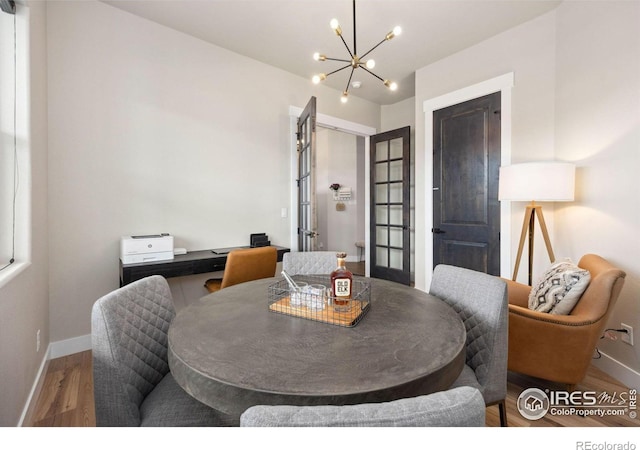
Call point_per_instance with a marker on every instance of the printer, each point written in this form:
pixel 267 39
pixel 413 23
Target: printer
pixel 145 248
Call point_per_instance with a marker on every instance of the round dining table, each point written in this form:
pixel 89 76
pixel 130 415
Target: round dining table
pixel 229 351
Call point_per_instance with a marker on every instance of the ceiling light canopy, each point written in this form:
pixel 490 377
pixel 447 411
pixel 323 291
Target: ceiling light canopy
pixel 355 61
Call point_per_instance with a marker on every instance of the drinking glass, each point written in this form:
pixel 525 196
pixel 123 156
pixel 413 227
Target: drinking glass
pixel 298 298
pixel 317 294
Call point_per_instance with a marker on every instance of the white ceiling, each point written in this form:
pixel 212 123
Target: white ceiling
pixel 286 33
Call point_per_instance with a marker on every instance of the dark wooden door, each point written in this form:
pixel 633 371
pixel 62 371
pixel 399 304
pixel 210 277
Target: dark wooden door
pixel 466 161
pixel 390 206
pixel 307 214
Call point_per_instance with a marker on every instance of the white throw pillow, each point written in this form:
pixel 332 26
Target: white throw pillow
pixel 559 288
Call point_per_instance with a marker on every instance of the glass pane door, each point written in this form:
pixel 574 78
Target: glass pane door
pixel 390 206
pixel 306 138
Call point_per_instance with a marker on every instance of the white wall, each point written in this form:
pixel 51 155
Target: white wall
pixel 598 128
pixel 151 130
pixel 24 307
pixel 337 162
pixel 398 115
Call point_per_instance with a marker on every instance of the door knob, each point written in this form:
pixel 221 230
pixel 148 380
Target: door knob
pixel 437 231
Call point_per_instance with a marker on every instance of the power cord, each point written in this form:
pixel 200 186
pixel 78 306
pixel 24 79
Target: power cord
pixel 608 334
pixel 617 330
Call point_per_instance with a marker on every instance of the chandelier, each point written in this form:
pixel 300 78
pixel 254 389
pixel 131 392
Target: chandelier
pixel 355 61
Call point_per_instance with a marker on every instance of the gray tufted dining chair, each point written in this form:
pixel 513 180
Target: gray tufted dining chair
pixel 309 263
pixel 460 407
pixel 481 302
pixel 132 382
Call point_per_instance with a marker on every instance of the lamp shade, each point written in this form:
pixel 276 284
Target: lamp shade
pixel 537 181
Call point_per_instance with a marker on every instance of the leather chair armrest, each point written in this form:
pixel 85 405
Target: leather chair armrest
pixel 530 317
pixel 518 293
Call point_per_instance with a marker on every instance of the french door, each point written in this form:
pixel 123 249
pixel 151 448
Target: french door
pixel 390 206
pixel 306 145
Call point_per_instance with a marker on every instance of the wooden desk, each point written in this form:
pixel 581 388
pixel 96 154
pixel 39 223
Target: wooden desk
pixel 200 261
pixel 228 351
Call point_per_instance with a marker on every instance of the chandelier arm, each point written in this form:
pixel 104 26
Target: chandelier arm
pixel 346 46
pixel 349 82
pixel 373 48
pixel 338 70
pixel 337 59
pixel 367 70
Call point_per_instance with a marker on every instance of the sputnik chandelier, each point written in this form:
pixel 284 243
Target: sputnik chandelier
pixel 356 62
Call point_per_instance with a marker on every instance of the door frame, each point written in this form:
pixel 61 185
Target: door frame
pixel 502 84
pixel 334 123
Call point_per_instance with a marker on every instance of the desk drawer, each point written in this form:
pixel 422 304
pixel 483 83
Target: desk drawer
pixel 175 269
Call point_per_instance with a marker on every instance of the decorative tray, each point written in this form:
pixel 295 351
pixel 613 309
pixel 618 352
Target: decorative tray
pixel 315 303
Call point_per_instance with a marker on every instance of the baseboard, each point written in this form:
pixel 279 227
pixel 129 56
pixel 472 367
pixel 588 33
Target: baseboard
pixel 70 346
pixel 624 374
pixel 30 406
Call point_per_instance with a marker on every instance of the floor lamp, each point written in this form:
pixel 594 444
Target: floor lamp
pixel 532 182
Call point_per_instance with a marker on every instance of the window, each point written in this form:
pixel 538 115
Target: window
pixel 15 145
pixel 8 141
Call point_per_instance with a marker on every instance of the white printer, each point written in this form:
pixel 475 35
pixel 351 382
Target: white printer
pixel 144 248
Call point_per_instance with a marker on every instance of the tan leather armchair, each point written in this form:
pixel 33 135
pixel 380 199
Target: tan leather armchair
pixel 244 265
pixel 560 348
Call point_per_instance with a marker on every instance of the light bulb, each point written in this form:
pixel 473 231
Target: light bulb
pixel 318 78
pixel 392 85
pixel 335 26
pixel 318 57
pixel 370 64
pixel 345 97
pixel 393 33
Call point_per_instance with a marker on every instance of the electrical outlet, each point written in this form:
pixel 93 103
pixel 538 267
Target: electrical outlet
pixel 627 337
pixel 37 341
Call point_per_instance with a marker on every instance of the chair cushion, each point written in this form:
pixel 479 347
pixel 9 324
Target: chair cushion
pixel 168 405
pixel 467 378
pixel 457 407
pixel 559 288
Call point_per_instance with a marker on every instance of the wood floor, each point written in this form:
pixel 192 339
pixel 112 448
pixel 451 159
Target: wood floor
pixel 66 399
